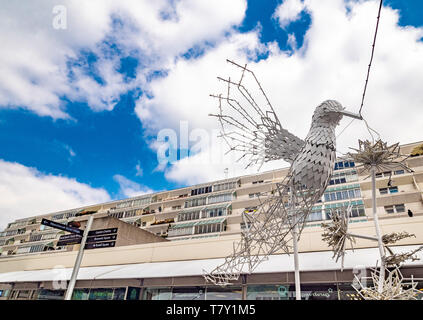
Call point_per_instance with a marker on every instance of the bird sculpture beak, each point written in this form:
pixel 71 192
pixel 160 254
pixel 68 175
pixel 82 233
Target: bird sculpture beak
pixel 351 115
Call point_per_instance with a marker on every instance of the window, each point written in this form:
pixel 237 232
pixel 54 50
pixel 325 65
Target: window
pixel 224 186
pixel 220 198
pixel 215 212
pixel 315 215
pixel 383 174
pixel 81 294
pixel 180 231
pixel 254 195
pixel 383 190
pixel 24 294
pixel 342 195
pixel 201 190
pixel 45 294
pixel 133 293
pixel 141 202
pixel 157 293
pixel 208 228
pixel 399 172
pixel 357 210
pixel 101 294
pixel 245 226
pixel 393 189
pixel 195 202
pixel 259 181
pixel 223 293
pixel 191 215
pixel 344 164
pixel 398 208
pixel 188 293
pixel 389 209
pixel 268 292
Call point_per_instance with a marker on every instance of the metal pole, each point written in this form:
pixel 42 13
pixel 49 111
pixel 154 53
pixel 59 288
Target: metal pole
pixel 296 264
pixel 295 246
pixel 378 233
pixel 78 261
pixel 362 236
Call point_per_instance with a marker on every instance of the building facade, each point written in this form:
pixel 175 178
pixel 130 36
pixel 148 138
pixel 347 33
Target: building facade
pixel 202 222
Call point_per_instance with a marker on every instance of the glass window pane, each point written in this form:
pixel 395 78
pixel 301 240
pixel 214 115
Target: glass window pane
pixel 188 293
pixel 119 294
pixel 101 294
pixel 268 292
pixel 400 208
pixel 45 294
pixel 224 293
pixel 157 293
pixel 80 294
pixel 316 292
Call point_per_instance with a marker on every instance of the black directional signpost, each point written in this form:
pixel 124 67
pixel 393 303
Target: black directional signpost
pixel 103 238
pixel 63 227
pixel 69 239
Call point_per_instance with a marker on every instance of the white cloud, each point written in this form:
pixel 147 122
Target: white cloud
pixel 139 170
pixel 288 11
pixel 129 188
pixel 35 56
pixel 331 64
pixel 26 192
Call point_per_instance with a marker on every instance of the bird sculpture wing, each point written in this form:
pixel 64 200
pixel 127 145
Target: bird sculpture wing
pixel 249 123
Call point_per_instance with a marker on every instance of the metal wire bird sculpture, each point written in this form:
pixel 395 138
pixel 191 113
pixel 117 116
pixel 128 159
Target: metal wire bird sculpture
pixel 250 126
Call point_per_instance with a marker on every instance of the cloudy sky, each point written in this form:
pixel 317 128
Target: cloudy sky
pixel 86 87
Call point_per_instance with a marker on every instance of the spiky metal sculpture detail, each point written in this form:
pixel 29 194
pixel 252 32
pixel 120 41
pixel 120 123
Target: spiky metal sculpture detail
pixel 395 287
pixel 250 126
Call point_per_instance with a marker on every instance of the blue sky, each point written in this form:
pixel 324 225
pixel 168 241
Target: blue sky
pixel 92 125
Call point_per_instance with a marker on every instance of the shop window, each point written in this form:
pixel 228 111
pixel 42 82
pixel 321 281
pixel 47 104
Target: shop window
pixel 157 293
pixel 315 292
pixel 101 294
pixel 45 294
pixel 224 293
pixel 347 292
pixel 24 294
pixel 119 294
pixel 81 294
pixel 188 293
pixel 133 293
pixel 268 292
pixel 4 293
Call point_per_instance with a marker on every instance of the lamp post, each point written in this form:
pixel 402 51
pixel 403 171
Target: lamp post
pixel 378 232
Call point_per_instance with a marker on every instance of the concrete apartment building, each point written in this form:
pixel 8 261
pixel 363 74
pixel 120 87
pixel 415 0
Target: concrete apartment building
pixel 192 229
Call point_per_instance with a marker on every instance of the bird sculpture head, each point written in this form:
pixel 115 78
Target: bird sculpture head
pixel 330 112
